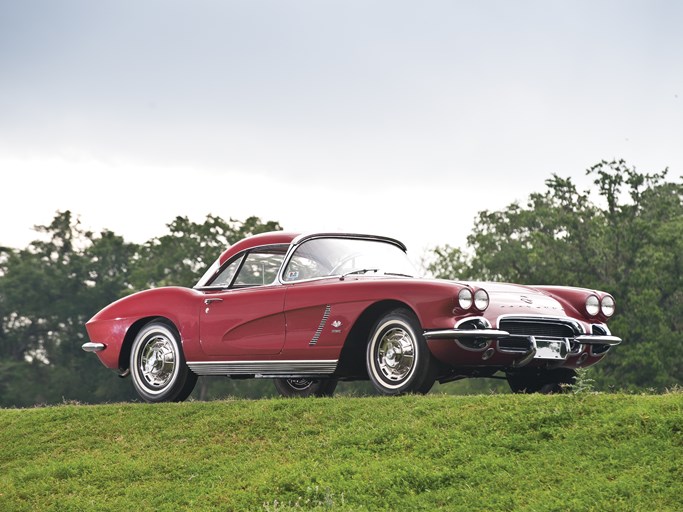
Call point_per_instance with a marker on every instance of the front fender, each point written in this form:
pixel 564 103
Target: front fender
pixel 112 325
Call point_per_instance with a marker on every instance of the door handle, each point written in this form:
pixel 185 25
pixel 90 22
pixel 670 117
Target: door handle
pixel 209 301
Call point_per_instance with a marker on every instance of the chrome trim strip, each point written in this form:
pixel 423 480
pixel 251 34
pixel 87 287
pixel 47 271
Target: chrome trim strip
pixel 354 236
pixel 93 347
pixel 317 334
pixel 593 339
pixel 274 368
pixel 466 333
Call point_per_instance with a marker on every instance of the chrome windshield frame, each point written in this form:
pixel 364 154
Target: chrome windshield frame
pixel 292 247
pixel 302 239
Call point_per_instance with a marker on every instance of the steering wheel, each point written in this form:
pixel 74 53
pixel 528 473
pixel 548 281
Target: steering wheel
pixel 344 262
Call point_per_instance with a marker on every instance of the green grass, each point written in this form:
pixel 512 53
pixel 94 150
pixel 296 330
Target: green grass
pixel 496 452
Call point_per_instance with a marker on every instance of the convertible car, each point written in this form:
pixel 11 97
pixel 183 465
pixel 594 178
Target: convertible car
pixel 310 310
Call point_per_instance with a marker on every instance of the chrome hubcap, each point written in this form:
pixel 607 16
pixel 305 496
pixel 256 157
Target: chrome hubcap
pixel 157 361
pixel 396 354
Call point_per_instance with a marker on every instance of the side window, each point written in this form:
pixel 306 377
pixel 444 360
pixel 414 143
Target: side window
pixel 260 268
pixel 225 277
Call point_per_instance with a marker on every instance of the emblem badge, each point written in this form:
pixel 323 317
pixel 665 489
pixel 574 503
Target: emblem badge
pixel 526 299
pixel 336 324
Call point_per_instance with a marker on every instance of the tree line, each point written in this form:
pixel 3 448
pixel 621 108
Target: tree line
pixel 624 236
pixel 49 289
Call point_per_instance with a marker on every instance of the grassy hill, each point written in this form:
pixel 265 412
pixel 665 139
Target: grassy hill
pixel 496 452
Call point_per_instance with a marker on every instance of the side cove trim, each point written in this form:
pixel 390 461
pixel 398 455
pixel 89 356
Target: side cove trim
pixel 317 334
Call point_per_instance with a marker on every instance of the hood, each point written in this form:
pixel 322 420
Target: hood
pixel 515 299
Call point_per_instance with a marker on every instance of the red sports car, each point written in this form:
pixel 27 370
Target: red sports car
pixel 310 310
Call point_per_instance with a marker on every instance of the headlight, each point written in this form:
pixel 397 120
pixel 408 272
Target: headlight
pixel 481 300
pixel 465 298
pixel 607 305
pixel 592 305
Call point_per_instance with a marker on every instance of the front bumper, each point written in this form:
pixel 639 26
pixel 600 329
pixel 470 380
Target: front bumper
pixel 467 334
pixel 594 339
pixel 494 344
pixel 93 347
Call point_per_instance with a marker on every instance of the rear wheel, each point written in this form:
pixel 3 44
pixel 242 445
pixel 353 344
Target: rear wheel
pixel 158 367
pixel 545 382
pixel 293 388
pixel 397 357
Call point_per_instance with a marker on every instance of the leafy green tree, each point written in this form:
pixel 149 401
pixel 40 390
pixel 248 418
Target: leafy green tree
pixel 181 256
pixel 624 236
pixel 47 292
pixel 50 289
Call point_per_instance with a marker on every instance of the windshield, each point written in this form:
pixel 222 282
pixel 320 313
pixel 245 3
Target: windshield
pixel 322 257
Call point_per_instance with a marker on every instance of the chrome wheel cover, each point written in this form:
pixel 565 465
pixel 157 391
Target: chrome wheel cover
pixel 157 361
pixel 395 354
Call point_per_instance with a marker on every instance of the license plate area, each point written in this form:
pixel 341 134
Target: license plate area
pixel 551 348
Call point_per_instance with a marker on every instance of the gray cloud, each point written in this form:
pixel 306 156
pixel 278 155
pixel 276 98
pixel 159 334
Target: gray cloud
pixel 457 95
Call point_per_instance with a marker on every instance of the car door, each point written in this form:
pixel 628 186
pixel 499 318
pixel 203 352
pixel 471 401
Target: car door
pixel 247 318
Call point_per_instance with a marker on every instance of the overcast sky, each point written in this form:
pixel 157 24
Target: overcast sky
pixel 389 117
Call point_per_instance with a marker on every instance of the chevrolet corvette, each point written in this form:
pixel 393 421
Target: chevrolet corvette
pixel 310 310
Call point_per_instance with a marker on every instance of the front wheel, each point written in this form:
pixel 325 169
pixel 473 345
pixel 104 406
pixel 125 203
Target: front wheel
pixel 157 365
pixel 302 388
pixel 397 357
